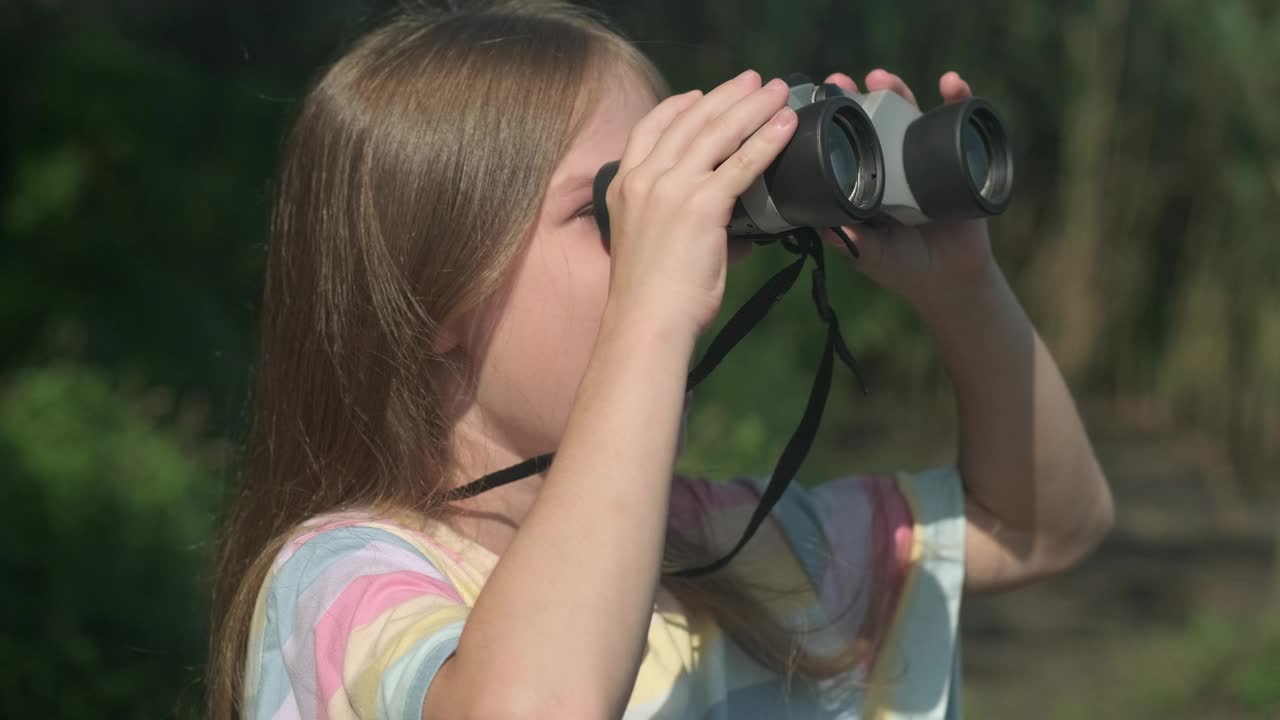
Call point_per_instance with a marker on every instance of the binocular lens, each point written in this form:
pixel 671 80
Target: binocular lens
pixel 857 163
pixel 977 155
pixel 845 159
pixel 856 160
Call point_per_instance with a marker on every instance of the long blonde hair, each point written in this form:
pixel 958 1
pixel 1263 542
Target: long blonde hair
pixel 392 214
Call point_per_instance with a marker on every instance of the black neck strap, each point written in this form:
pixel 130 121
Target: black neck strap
pixel 805 243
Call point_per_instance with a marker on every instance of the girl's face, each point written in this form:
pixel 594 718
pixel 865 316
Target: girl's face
pixel 545 327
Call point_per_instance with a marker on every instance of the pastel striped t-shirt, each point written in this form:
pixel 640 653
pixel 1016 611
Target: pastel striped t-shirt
pixel 358 613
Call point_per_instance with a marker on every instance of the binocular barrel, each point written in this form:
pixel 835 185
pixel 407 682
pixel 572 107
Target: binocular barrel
pixel 867 158
pixel 951 163
pixel 830 173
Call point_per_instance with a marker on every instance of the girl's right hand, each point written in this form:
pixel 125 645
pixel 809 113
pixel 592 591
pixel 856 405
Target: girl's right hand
pixel 685 164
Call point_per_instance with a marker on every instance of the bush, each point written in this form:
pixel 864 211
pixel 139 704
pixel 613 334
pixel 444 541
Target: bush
pixel 104 539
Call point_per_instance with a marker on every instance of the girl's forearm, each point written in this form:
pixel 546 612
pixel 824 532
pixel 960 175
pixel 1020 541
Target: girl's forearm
pixel 1023 452
pixel 561 625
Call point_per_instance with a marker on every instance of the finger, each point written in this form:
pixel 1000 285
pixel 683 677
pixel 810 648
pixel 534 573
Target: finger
pixel 881 79
pixel 723 135
pixel 748 162
pixel 680 133
pixel 953 87
pixel 844 81
pixel 650 128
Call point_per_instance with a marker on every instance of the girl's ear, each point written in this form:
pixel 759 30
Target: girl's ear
pixel 454 333
pixel 446 338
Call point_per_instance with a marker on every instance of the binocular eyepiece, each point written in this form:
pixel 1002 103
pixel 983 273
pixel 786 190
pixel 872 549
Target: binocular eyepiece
pixel 865 158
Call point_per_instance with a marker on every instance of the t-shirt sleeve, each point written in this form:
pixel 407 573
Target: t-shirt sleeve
pixel 352 622
pixel 884 553
pixel 908 529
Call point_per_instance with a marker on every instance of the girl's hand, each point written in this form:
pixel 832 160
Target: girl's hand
pixel 927 264
pixel 685 164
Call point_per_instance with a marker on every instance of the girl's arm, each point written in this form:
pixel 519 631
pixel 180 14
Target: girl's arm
pixel 1037 501
pixel 559 629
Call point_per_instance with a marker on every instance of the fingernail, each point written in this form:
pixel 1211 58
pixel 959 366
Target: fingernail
pixel 745 74
pixel 776 83
pixel 783 117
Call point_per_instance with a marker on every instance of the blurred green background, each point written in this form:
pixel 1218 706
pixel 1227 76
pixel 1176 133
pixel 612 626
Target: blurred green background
pixel 138 145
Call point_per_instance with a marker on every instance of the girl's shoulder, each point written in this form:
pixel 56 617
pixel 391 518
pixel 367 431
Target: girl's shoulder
pixel 368 539
pixel 358 611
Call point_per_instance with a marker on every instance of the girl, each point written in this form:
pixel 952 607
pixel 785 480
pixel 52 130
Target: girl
pixel 439 304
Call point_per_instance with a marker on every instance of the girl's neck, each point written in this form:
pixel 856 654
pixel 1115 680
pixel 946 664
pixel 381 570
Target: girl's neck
pixel 492 517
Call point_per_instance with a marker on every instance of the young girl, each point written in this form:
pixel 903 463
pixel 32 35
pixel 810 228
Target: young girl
pixel 440 304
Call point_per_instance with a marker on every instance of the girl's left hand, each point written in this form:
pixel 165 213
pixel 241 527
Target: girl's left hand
pixel 926 264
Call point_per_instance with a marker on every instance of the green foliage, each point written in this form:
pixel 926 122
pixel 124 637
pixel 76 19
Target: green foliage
pixel 105 535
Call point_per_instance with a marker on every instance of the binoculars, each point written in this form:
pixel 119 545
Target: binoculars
pixel 865 158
